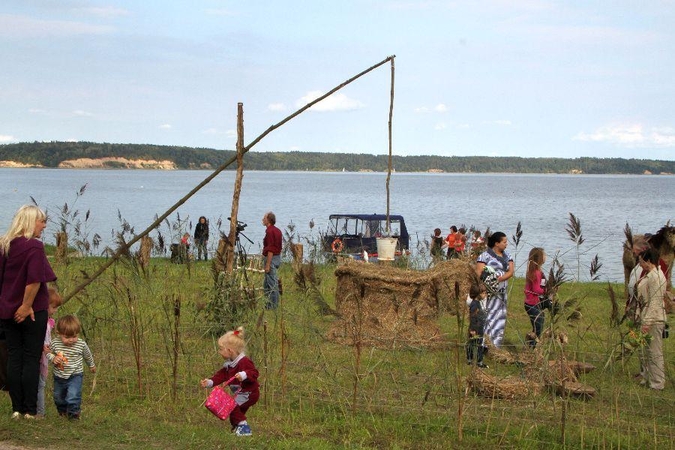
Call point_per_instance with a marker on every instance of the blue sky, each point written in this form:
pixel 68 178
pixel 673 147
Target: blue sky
pixel 495 77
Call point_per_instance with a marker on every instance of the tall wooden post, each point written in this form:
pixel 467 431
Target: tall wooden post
pixel 237 186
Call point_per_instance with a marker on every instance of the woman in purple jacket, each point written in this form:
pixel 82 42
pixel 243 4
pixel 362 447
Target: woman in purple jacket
pixel 24 301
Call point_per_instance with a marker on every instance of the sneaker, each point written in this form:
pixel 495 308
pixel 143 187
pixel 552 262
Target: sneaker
pixel 482 365
pixel 243 430
pixel 469 362
pixel 16 415
pixel 29 417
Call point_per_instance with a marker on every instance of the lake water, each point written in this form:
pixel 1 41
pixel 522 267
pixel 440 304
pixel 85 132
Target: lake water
pixel 542 203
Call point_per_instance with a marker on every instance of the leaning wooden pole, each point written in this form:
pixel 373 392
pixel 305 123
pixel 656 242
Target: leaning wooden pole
pixel 237 187
pixel 124 248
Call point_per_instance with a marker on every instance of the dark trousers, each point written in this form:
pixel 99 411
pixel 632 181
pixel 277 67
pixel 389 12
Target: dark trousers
pixel 238 414
pixel 25 341
pixel 536 316
pixel 474 348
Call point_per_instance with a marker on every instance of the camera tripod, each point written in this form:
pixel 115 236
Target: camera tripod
pixel 241 255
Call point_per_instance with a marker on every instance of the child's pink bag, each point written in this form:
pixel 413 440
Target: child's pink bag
pixel 220 403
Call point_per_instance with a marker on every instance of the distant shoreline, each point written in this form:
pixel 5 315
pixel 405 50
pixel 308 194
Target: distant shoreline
pixel 92 155
pixel 148 167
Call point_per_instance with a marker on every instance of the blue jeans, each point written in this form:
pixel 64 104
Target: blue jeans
pixel 536 319
pixel 271 283
pixel 41 396
pixel 68 395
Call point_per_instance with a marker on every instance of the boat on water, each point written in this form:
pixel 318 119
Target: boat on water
pixel 353 234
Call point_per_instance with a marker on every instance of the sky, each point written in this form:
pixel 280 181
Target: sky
pixel 529 78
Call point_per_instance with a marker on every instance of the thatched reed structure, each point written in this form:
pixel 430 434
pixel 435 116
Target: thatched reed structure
pixel 385 306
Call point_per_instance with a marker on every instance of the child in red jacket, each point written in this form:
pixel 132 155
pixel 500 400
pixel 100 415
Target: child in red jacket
pixel 231 347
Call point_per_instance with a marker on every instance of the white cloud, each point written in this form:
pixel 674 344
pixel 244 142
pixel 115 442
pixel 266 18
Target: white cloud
pixel 14 26
pixel 82 113
pixel 295 148
pixel 231 134
pixel 6 138
pixel 503 122
pixel 276 107
pixel 211 131
pixel 440 126
pixel 463 125
pixel 336 102
pixel 631 136
pixel 440 108
pixel 165 126
pixel 36 111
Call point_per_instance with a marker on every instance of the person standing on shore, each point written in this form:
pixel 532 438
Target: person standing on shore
pixel 450 242
pixel 499 261
pixel 272 254
pixel 535 289
pixel 201 238
pixel 652 319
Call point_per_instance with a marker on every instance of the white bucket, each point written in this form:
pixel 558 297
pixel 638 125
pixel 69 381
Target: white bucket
pixel 386 248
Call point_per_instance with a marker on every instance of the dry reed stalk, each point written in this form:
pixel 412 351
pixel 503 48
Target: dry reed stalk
pixel 176 341
pixel 284 350
pixel 265 363
pixel 144 252
pixel 61 253
pixel 297 251
pixel 357 339
pixel 458 376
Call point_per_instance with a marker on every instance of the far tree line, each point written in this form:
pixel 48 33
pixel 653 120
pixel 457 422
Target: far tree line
pixel 51 154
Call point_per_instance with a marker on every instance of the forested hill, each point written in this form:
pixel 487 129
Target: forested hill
pixel 64 154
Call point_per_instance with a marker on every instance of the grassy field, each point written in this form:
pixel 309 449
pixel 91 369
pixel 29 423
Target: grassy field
pixel 153 335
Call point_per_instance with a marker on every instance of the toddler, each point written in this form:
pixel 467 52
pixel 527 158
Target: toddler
pixel 67 354
pixel 231 347
pixel 55 301
pixel 477 316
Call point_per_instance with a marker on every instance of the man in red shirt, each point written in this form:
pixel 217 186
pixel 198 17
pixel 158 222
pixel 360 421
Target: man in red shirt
pixel 272 254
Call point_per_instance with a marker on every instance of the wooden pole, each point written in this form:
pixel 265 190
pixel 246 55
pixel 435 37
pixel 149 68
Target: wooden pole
pixel 124 248
pixel 237 187
pixel 391 114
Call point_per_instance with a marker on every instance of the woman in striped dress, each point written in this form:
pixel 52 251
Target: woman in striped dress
pixel 498 260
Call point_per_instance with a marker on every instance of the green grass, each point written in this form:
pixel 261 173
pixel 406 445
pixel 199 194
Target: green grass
pixel 406 398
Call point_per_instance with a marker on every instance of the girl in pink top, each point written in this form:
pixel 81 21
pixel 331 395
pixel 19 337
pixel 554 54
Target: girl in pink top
pixel 535 284
pixel 55 301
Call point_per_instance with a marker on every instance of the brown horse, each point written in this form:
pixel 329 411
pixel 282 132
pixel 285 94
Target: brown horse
pixel 663 241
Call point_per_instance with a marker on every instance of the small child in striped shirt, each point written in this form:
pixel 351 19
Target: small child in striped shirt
pixel 67 354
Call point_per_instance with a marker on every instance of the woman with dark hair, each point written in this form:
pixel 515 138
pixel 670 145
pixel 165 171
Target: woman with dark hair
pixel 650 291
pixel 437 245
pixel 24 301
pixel 496 263
pixel 201 238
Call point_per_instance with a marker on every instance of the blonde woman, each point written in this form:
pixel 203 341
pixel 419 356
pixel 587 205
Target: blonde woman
pixel 24 301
